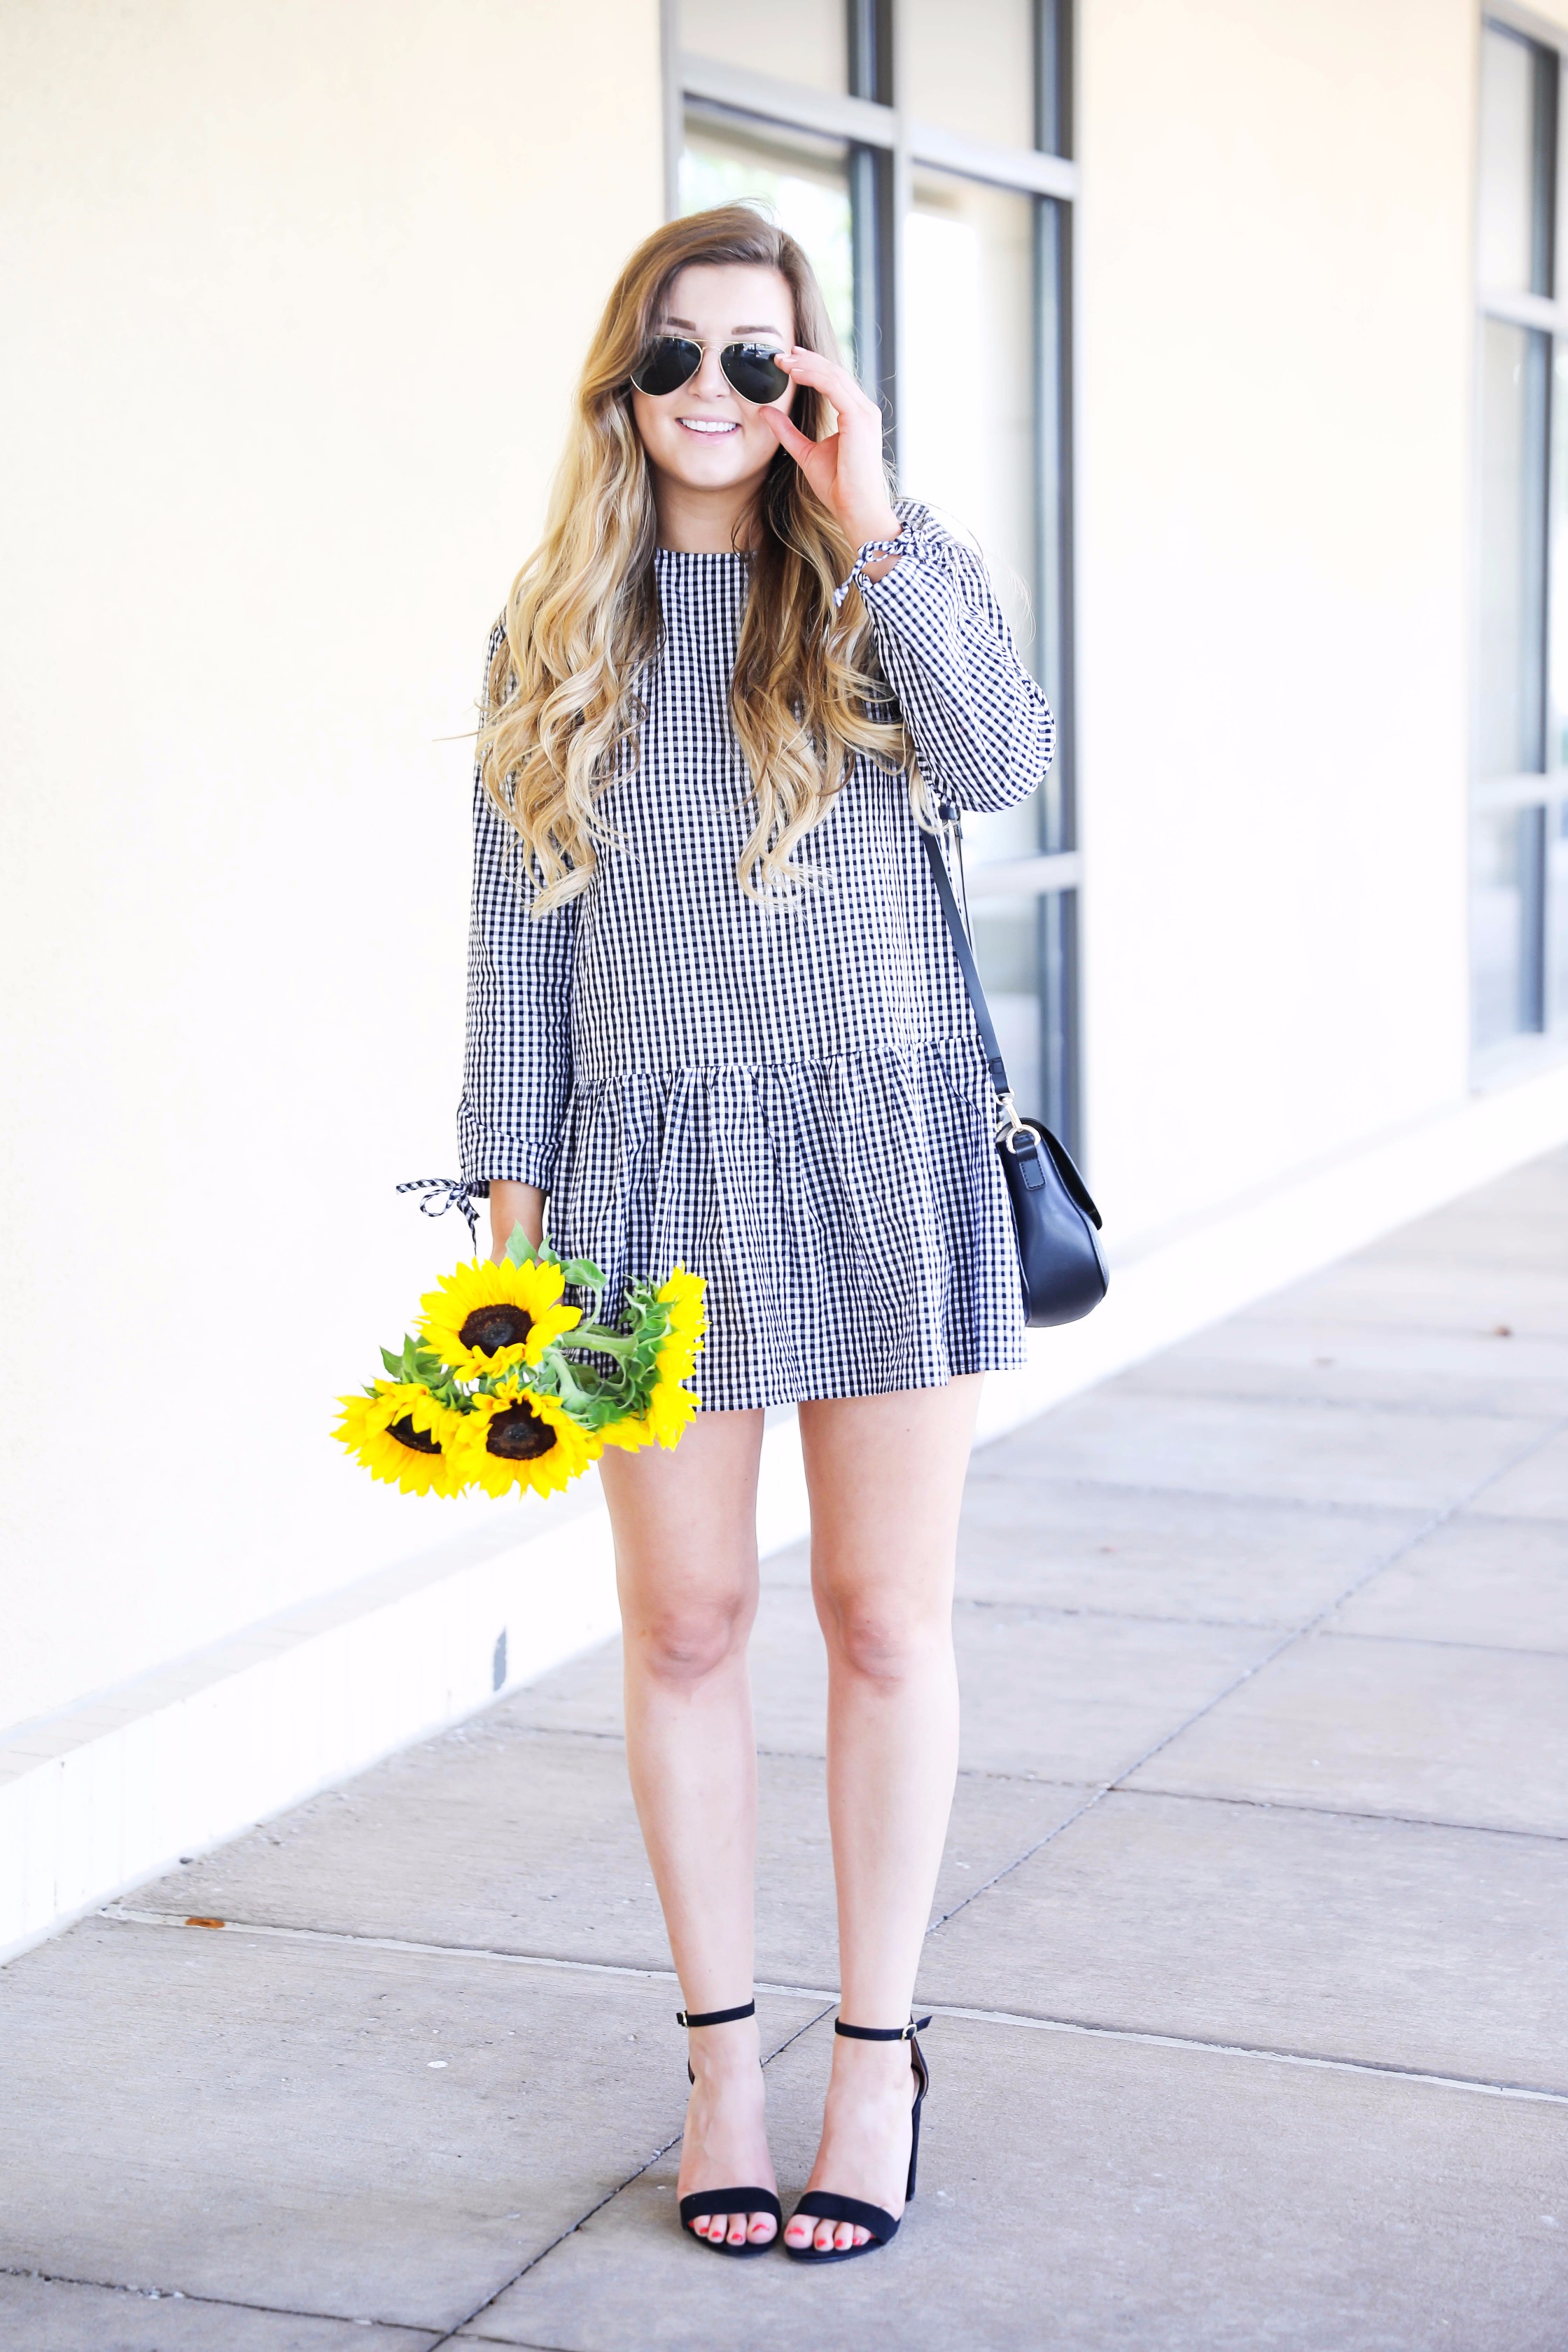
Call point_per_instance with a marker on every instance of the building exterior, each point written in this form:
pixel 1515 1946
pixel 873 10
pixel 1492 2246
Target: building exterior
pixel 1229 326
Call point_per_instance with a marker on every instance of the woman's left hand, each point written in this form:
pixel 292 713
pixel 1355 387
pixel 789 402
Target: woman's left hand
pixel 845 469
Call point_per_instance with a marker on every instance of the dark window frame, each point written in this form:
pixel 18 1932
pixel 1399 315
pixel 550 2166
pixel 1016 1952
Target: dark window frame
pixel 1537 793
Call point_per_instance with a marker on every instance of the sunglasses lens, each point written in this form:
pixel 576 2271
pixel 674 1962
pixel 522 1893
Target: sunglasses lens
pixel 668 363
pixel 754 371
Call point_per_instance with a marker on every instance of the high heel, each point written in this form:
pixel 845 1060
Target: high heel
pixel 727 2200
pixel 826 2204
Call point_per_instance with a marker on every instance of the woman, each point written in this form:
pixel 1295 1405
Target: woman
pixel 715 1020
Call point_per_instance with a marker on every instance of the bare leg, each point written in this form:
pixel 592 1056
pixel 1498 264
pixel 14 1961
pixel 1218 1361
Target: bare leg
pixel 686 1562
pixel 885 1476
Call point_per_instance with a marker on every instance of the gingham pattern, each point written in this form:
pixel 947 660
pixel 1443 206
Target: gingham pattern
pixel 790 1100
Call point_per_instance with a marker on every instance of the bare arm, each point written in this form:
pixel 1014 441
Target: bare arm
pixel 514 1204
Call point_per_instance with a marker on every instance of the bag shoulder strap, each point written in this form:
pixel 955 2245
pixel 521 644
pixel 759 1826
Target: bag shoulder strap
pixel 1013 1124
pixel 966 963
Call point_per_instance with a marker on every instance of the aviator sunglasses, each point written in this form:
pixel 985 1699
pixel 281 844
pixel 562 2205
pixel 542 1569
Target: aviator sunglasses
pixel 749 369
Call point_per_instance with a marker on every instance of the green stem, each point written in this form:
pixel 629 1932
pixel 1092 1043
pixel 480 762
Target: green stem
pixel 573 1393
pixel 594 1337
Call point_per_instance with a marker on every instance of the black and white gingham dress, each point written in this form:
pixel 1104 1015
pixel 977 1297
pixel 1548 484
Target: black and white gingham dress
pixel 789 1100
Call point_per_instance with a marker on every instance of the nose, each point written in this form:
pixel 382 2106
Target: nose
pixel 710 382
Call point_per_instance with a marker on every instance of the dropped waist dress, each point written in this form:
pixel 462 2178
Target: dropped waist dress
pixel 790 1099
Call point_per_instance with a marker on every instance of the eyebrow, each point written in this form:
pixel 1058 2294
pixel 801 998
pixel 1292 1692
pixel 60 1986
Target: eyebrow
pixel 767 328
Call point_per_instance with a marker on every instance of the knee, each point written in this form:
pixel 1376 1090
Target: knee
pixel 685 1643
pixel 882 1642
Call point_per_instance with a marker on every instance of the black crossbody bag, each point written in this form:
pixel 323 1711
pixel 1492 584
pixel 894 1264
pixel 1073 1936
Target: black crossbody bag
pixel 1059 1259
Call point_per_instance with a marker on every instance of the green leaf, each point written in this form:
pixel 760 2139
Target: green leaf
pixel 519 1248
pixel 583 1271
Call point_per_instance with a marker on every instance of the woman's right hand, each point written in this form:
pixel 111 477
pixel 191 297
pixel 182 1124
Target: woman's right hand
pixel 514 1204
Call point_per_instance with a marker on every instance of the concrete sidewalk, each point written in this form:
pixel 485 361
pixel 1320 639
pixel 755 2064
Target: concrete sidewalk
pixel 1249 1940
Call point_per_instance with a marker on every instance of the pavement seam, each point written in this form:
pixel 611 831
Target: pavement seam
pixel 824 1997
pixel 1412 1538
pixel 1442 1641
pixel 1347 1505
pixel 1297 1400
pixel 1479 2086
pixel 1221 1499
pixel 777 1755
pixel 511 2343
pixel 1118 1616
pixel 126 1915
pixel 1345 1814
pixel 224 2301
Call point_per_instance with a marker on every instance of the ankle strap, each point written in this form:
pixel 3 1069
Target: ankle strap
pixel 715 2016
pixel 881 2032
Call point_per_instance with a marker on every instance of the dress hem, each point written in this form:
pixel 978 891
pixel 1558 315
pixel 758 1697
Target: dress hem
pixel 1009 1362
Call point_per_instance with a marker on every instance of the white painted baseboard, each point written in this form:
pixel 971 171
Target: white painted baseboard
pixel 99 1799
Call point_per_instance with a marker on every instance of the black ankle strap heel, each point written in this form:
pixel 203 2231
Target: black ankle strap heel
pixel 727 2200
pixel 826 2204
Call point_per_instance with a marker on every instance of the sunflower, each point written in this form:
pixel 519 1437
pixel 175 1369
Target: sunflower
pixel 515 1437
pixel 664 1421
pixel 670 1409
pixel 404 1435
pixel 682 1294
pixel 487 1318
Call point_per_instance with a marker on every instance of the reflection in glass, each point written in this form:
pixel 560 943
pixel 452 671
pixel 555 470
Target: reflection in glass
pixel 1006 933
pixel 806 41
pixel 1506 909
pixel 1557 914
pixel 800 182
pixel 1511 240
pixel 1514 567
pixel 971 68
pixel 1557 646
pixel 966 420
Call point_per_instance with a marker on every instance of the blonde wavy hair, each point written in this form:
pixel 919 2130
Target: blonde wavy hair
pixel 561 712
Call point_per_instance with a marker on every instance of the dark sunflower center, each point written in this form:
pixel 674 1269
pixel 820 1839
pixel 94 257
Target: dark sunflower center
pixel 500 1325
pixel 418 1441
pixel 519 1435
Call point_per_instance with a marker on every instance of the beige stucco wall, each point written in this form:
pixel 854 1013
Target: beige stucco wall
pixel 295 291
pixel 1275 338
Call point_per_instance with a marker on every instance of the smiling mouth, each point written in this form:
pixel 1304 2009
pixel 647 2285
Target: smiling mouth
pixel 709 424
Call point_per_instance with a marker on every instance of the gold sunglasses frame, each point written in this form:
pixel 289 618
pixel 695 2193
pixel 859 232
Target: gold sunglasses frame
pixel 736 344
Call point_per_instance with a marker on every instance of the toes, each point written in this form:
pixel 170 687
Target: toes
pixel 735 2228
pixel 798 2234
pixel 844 2234
pixel 862 2237
pixel 824 2239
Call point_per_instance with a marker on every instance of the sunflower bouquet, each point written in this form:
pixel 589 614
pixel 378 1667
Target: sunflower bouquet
pixel 505 1386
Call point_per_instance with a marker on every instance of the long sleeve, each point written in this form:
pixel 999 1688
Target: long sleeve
pixel 982 727
pixel 517 1060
